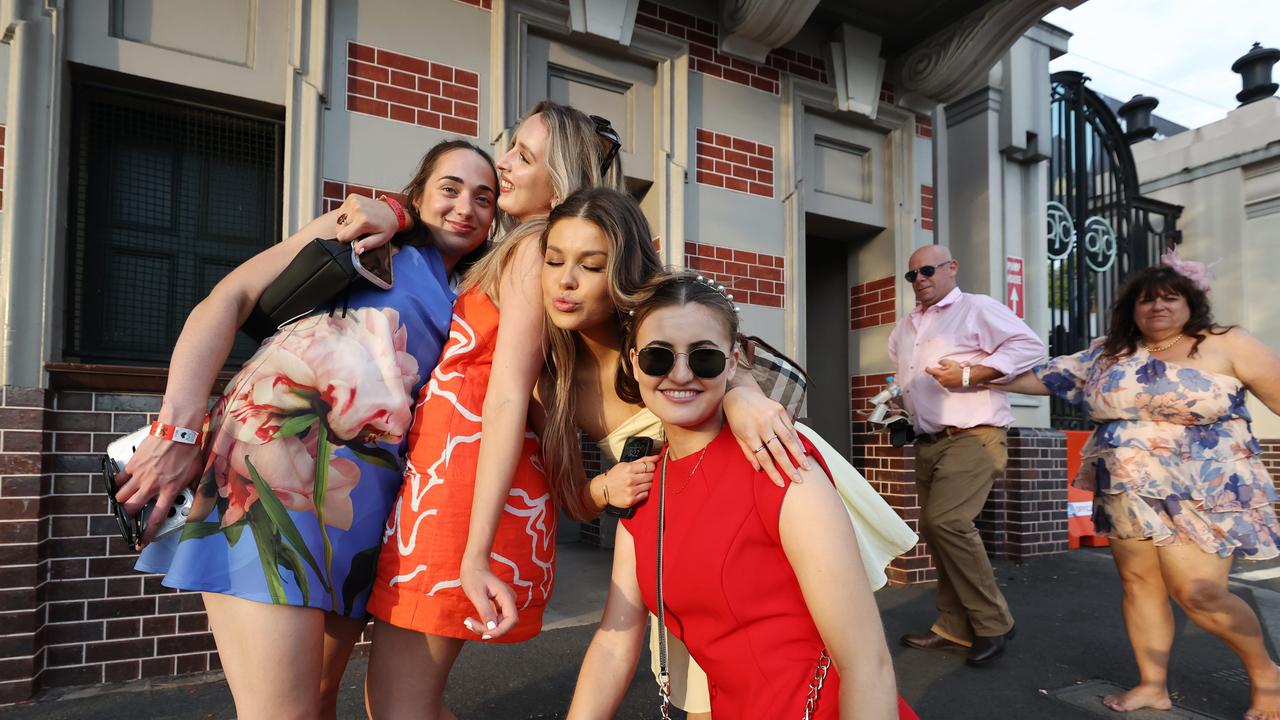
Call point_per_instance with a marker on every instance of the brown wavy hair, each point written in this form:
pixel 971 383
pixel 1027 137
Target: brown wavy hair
pixel 632 262
pixel 1123 337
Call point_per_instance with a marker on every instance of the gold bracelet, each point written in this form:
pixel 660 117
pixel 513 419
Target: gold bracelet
pixel 605 482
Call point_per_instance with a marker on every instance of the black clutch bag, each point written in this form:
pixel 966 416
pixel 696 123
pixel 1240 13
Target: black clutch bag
pixel 316 275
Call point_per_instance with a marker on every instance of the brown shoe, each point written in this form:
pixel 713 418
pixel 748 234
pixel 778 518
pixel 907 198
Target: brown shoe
pixel 986 649
pixel 931 641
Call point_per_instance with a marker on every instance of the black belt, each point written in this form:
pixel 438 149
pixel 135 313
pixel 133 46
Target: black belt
pixel 949 431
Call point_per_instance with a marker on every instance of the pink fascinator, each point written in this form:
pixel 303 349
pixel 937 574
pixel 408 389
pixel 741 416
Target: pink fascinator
pixel 1197 272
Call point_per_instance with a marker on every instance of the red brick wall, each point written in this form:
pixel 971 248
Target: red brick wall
pixel 890 471
pixel 1271 459
pixel 1026 514
pixel 886 92
pixel 872 303
pixel 105 622
pixel 412 90
pixel 24 538
pixel 734 163
pixel 336 191
pixel 706 58
pixel 72 609
pixel 752 278
pixel 926 207
pixel 924 126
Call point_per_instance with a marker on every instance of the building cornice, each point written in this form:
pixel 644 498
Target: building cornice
pixel 954 62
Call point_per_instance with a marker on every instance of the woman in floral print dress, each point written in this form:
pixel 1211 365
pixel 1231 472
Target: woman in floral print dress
pixel 304 452
pixel 1179 483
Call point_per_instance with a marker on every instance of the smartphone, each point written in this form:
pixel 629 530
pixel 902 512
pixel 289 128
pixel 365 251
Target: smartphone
pixel 636 447
pixel 374 265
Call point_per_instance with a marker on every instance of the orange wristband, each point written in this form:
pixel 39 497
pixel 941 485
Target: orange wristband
pixel 402 219
pixel 173 433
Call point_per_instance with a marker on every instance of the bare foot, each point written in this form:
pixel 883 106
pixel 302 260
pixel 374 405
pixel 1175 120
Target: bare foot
pixel 1143 696
pixel 1264 697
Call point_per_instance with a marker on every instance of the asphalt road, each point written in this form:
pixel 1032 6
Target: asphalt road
pixel 1070 642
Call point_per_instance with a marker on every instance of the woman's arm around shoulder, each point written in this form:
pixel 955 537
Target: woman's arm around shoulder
pixel 1256 365
pixel 517 362
pixel 820 543
pixel 615 649
pixel 755 421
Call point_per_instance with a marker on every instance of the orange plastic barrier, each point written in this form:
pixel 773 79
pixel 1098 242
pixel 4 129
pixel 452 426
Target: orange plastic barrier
pixel 1080 530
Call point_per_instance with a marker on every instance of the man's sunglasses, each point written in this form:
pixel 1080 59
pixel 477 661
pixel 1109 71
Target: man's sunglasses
pixel 131 527
pixel 927 271
pixel 706 363
pixel 606 132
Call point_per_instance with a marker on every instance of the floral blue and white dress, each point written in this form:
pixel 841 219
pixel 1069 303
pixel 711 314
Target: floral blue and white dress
pixel 304 457
pixel 1173 457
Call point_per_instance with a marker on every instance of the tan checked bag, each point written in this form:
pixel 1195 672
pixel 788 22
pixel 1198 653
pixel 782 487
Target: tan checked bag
pixel 780 378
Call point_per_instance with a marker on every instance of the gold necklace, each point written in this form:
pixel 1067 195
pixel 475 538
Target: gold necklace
pixel 1162 348
pixel 691 472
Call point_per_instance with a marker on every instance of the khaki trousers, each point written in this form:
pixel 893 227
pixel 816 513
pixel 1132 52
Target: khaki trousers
pixel 954 476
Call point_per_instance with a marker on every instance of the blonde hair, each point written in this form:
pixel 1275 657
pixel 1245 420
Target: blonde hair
pixel 632 263
pixel 574 154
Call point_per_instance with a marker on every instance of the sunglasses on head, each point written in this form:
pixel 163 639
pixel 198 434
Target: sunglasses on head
pixel 606 132
pixel 705 362
pixel 927 271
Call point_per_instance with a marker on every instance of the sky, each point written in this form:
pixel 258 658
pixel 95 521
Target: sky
pixel 1179 51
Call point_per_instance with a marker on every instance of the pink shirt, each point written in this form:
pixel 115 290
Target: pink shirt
pixel 966 328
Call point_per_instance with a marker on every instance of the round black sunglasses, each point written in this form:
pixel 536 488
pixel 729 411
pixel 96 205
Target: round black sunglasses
pixel 706 362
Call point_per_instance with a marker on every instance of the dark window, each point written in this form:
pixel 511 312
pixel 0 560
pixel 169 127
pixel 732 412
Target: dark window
pixel 169 191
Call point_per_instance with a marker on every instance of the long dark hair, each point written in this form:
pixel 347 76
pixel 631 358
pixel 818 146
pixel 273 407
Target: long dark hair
pixel 633 261
pixel 1124 335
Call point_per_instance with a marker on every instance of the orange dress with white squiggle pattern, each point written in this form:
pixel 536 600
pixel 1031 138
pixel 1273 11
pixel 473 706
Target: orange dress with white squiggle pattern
pixel 417 584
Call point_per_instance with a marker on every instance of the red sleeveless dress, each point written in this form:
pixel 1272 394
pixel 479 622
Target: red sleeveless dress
pixel 729 590
pixel 417 584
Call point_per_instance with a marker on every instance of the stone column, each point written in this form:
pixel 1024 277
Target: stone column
pixel 992 174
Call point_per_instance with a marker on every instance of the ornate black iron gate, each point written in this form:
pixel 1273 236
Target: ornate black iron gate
pixel 1100 230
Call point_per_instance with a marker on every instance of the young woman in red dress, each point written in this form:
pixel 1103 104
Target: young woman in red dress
pixel 749 581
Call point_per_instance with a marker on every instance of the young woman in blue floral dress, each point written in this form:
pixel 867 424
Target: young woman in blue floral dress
pixel 303 458
pixel 1178 478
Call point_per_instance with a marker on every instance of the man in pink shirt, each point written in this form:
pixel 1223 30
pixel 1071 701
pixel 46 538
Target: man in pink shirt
pixel 945 350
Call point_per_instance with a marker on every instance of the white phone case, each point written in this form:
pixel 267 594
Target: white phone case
pixel 120 451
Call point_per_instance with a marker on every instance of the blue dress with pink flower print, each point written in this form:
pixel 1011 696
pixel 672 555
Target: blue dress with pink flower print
pixel 304 456
pixel 1173 457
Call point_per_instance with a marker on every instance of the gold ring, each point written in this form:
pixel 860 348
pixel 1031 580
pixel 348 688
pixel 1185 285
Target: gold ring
pixel 762 446
pixel 775 437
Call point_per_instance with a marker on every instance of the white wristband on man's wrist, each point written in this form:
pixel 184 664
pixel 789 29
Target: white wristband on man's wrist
pixel 964 377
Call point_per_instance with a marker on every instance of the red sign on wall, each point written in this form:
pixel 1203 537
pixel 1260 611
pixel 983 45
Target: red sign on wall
pixel 1014 289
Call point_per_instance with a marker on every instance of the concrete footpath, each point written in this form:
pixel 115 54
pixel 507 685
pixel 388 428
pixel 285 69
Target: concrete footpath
pixel 1070 649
